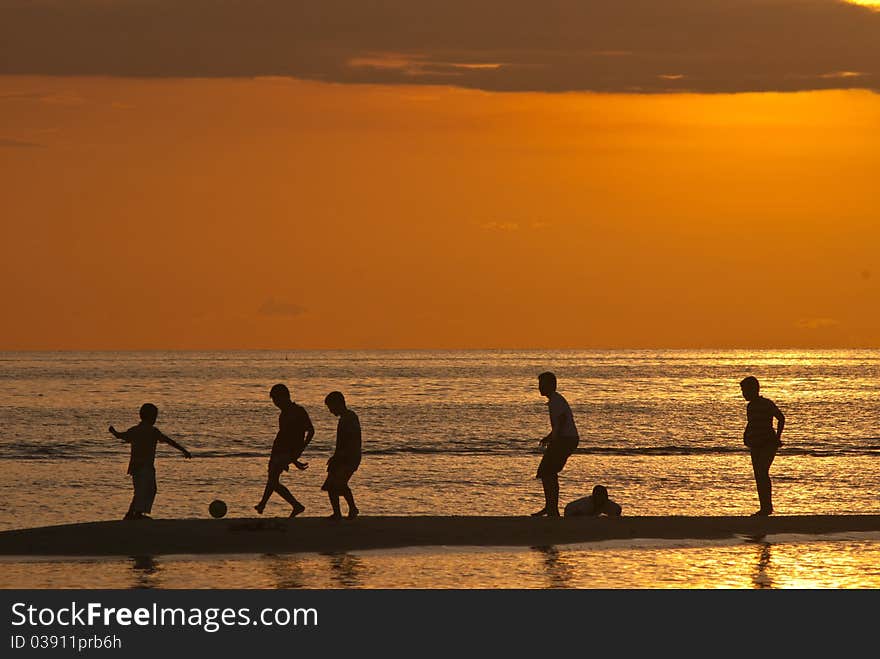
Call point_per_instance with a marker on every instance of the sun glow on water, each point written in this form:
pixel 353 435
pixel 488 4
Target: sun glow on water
pixel 771 563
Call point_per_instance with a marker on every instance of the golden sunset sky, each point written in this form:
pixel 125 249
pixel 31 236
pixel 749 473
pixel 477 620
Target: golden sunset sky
pixel 164 191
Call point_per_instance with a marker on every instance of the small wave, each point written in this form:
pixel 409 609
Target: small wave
pixel 230 454
pixel 71 452
pixel 44 451
pixel 725 450
pixel 448 450
pixel 619 450
pixel 658 450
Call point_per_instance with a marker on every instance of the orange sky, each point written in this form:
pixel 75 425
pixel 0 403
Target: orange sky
pixel 275 213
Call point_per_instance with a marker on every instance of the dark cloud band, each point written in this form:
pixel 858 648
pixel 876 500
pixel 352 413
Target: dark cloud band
pixel 649 46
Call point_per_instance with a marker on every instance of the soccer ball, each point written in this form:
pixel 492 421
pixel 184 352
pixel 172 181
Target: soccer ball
pixel 217 508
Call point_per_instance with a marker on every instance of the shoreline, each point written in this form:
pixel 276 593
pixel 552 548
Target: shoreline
pixel 319 535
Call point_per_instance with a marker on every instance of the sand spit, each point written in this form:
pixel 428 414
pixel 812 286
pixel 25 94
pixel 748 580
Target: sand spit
pixel 312 534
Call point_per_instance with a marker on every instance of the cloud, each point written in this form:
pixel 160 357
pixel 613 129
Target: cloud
pixel 500 226
pixel 66 98
pixel 648 46
pixel 20 96
pixel 273 307
pixel 817 323
pixel 508 226
pixel 418 65
pixel 6 143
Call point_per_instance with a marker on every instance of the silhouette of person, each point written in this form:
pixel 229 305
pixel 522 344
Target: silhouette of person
pixel 762 577
pixel 593 505
pixel 763 441
pixel 295 431
pixel 286 571
pixel 345 568
pixel 558 568
pixel 142 463
pixel 146 570
pixel 558 445
pixel 346 456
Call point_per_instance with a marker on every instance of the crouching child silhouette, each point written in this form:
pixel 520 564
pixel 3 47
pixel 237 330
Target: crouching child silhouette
pixel 142 463
pixel 593 505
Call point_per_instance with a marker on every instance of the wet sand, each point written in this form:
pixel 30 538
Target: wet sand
pixel 311 534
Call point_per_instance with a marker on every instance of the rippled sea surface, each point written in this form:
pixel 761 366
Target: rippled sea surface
pixel 840 561
pixel 451 433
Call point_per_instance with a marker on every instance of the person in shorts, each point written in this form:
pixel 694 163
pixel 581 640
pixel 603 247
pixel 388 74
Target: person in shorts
pixel 346 456
pixel 143 439
pixel 558 445
pixel 295 431
pixel 762 439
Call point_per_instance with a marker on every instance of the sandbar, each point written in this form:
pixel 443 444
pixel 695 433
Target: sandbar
pixel 313 534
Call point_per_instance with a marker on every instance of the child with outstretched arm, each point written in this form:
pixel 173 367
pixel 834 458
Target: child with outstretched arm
pixel 143 439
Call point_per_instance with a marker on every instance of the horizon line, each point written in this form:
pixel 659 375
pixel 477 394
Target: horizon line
pixel 436 349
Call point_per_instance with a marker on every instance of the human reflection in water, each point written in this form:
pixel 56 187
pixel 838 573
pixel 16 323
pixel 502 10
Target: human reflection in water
pixel 286 571
pixel 761 577
pixel 146 571
pixel 346 569
pixel 557 569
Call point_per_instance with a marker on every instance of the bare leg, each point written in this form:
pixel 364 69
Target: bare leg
pixel 551 494
pixel 540 475
pixel 285 494
pixel 349 499
pixel 144 482
pixel 267 492
pixel 273 484
pixel 762 458
pixel 151 492
pixel 334 503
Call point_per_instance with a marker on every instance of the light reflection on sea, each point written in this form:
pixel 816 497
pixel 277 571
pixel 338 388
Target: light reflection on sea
pixel 840 561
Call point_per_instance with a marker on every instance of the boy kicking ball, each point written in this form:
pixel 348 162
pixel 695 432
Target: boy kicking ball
pixel 142 463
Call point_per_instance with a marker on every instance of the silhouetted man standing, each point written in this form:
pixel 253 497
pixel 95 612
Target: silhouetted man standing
pixel 346 457
pixel 763 441
pixel 295 431
pixel 558 445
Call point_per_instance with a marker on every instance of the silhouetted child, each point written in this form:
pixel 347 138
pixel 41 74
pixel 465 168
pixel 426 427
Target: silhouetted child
pixel 346 456
pixel 558 445
pixel 593 505
pixel 763 441
pixel 295 431
pixel 142 463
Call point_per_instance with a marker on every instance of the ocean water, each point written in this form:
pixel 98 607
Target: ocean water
pixel 448 433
